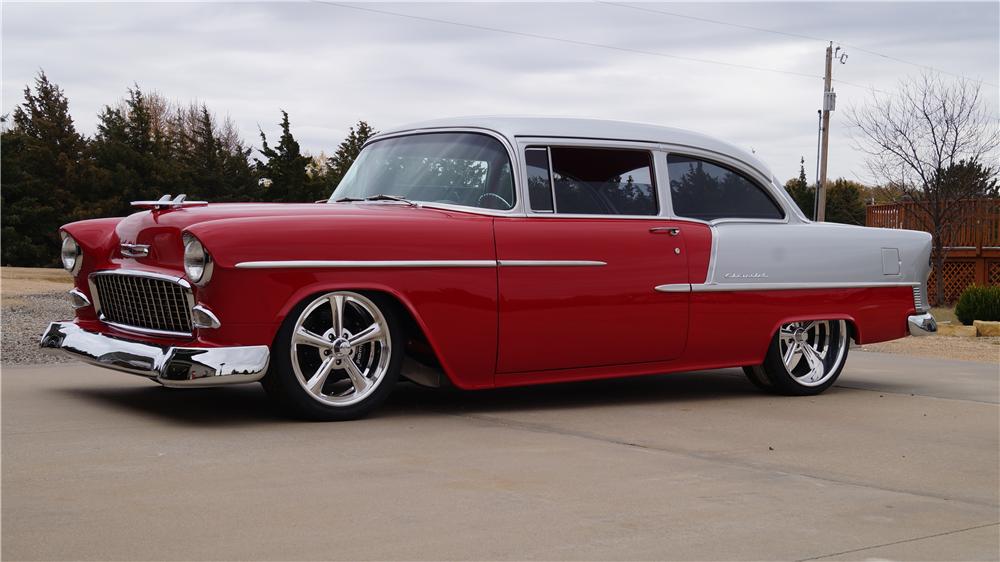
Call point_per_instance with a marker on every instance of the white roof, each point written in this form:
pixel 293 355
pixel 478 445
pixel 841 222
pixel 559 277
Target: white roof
pixel 513 127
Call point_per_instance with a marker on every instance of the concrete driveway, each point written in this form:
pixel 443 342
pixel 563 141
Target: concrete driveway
pixel 898 461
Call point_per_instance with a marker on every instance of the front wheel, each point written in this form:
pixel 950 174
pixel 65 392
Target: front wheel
pixel 804 358
pixel 336 356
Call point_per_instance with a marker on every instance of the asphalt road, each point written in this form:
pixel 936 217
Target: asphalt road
pixel 899 461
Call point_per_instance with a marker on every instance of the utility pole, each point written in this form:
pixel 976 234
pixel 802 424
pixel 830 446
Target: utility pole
pixel 829 104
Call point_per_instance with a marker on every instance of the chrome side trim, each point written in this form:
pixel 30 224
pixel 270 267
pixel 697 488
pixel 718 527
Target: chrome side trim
pixel 324 264
pixel 674 288
pixel 78 299
pixel 722 287
pixel 169 366
pixel 550 263
pixel 921 324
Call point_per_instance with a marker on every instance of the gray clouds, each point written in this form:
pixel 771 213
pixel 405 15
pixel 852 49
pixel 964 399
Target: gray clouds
pixel 329 66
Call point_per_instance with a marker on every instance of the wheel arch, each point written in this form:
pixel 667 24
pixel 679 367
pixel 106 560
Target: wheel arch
pixel 853 331
pixel 414 325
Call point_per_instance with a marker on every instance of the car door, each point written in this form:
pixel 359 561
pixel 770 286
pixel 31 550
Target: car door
pixel 579 273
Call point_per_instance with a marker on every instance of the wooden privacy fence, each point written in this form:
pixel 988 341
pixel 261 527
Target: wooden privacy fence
pixel 972 254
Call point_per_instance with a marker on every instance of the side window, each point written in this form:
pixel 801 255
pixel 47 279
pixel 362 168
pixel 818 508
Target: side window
pixel 703 190
pixel 591 181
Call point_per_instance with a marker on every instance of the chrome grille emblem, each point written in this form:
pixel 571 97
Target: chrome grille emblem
pixel 134 250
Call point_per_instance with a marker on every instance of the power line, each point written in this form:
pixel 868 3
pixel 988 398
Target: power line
pixel 591 44
pixel 789 34
pixel 572 41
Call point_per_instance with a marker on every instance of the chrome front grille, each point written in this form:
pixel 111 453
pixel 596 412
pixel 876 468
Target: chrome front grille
pixel 144 303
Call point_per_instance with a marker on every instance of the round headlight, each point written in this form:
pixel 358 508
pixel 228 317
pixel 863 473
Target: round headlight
pixel 196 260
pixel 70 253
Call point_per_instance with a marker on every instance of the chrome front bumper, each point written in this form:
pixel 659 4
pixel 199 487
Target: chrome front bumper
pixel 921 324
pixel 169 366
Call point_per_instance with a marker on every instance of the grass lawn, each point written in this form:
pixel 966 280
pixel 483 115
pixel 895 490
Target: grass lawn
pixel 20 281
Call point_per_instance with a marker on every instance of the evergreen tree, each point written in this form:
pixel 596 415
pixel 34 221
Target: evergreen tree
pixel 215 161
pixel 801 192
pixel 845 202
pixel 283 176
pixel 347 152
pixel 133 156
pixel 144 147
pixel 43 171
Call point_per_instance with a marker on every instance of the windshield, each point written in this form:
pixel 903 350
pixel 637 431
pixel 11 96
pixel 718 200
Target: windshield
pixel 456 168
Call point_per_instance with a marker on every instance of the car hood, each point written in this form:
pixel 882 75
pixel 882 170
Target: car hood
pixel 161 230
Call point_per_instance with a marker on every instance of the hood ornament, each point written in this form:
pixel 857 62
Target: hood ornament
pixel 166 202
pixel 134 250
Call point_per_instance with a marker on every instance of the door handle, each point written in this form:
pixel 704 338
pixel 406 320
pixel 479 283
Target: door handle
pixel 665 230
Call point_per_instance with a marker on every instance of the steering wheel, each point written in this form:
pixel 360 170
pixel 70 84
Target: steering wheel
pixel 479 201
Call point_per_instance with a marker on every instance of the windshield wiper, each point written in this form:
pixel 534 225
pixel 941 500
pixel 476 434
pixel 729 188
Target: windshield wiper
pixel 347 200
pixel 384 197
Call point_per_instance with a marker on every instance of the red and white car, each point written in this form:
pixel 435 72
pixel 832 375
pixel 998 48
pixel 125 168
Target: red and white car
pixel 493 252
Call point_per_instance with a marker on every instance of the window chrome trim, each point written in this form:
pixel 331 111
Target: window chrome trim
pixel 539 142
pixel 724 287
pixel 515 164
pixel 551 263
pixel 345 264
pixel 552 180
pixel 758 177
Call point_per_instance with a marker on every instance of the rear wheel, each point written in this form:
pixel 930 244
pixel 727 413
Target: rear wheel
pixel 336 357
pixel 804 358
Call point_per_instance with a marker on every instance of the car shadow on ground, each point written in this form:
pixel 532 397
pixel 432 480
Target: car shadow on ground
pixel 248 404
pixel 656 389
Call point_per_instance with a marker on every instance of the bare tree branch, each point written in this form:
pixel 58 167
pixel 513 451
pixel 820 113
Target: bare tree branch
pixel 919 138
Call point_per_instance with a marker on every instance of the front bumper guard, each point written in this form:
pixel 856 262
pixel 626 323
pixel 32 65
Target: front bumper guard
pixel 169 366
pixel 921 324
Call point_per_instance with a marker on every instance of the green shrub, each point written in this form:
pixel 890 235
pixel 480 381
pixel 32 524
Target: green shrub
pixel 979 303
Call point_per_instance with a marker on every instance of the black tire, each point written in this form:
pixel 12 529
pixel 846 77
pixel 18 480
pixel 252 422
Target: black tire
pixel 775 377
pixel 758 378
pixel 287 392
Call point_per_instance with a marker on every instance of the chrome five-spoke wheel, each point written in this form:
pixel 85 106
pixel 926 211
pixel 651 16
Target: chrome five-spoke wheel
pixel 804 358
pixel 340 356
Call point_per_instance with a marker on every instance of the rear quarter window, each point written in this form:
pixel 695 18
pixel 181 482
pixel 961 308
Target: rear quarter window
pixel 704 190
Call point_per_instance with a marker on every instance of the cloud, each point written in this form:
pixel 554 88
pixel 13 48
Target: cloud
pixel 329 66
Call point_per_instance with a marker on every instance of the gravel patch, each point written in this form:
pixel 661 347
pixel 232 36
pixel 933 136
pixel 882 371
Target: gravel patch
pixel 943 347
pixel 24 319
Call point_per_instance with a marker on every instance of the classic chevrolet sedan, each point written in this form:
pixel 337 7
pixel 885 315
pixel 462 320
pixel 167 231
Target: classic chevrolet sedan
pixel 492 252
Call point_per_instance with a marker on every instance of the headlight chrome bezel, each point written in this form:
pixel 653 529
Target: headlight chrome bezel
pixel 70 253
pixel 198 262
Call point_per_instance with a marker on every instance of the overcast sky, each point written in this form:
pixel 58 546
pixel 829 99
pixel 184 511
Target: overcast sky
pixel 329 66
